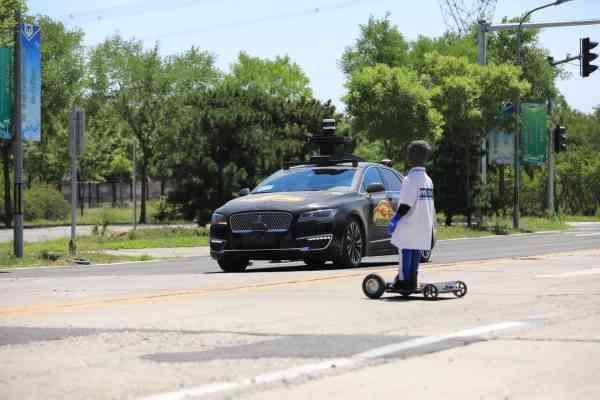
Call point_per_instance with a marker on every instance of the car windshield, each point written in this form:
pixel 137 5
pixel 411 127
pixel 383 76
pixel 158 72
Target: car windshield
pixel 308 179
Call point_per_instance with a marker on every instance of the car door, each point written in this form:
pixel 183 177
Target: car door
pixel 379 209
pixel 393 185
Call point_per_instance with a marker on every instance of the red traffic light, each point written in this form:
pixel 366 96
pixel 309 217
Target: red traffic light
pixel 587 57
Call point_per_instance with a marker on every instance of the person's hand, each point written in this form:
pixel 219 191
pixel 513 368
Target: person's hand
pixel 392 225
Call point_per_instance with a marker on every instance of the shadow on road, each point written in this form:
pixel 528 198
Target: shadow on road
pixel 414 297
pixel 302 267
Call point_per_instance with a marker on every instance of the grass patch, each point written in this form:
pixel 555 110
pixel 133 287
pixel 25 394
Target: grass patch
pixel 55 252
pixel 533 224
pixel 501 226
pixel 581 218
pixel 459 231
pixel 107 215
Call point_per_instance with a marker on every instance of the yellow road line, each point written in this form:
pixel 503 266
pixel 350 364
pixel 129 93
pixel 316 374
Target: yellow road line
pixel 168 295
pixel 163 296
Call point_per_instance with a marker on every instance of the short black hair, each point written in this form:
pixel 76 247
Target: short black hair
pixel 418 152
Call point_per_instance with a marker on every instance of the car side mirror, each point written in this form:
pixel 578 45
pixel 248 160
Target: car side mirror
pixel 375 187
pixel 244 192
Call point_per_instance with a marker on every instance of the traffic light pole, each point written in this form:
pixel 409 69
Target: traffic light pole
pixel 484 28
pixel 550 177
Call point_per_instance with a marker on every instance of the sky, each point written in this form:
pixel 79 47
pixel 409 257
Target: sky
pixel 313 33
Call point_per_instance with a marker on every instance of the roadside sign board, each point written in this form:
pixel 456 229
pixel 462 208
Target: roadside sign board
pixel 501 147
pixel 31 81
pixel 534 133
pixel 6 94
pixel 77 132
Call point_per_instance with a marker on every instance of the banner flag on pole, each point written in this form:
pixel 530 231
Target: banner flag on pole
pixel 31 82
pixel 6 94
pixel 501 147
pixel 534 135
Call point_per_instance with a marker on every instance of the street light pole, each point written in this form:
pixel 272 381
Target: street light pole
pixel 18 144
pixel 517 159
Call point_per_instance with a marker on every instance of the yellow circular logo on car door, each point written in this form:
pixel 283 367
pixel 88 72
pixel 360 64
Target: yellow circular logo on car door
pixel 383 213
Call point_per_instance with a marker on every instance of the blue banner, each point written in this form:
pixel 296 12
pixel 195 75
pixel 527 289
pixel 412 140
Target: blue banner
pixel 31 81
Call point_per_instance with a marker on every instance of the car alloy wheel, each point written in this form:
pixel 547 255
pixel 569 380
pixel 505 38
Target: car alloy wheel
pixel 352 245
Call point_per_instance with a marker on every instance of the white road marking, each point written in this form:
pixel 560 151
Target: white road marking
pixel 311 370
pixel 583 272
pixel 587 234
pixel 503 236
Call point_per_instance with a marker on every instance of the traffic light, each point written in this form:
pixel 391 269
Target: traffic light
pixel 560 139
pixel 587 57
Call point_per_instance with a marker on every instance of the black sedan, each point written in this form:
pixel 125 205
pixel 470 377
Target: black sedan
pixel 316 213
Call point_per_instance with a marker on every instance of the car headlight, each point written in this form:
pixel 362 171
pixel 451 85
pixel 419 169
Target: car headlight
pixel 218 219
pixel 318 215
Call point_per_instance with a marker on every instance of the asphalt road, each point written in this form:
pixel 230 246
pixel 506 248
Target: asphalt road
pixel 528 328
pixel 579 237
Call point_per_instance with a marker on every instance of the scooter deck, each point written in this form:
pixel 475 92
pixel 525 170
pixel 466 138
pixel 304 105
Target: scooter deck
pixel 374 286
pixel 442 287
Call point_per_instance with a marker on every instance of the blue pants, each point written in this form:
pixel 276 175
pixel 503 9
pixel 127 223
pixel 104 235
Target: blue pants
pixel 409 267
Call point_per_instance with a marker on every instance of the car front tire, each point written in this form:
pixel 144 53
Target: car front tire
pixel 350 252
pixel 233 264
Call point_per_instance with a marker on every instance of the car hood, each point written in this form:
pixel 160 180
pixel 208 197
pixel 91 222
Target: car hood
pixel 287 201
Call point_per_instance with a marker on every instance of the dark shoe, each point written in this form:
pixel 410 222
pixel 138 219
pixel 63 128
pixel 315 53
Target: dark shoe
pixel 400 285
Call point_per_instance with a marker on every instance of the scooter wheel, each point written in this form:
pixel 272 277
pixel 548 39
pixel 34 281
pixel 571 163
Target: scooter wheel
pixel 461 289
pixel 373 286
pixel 430 292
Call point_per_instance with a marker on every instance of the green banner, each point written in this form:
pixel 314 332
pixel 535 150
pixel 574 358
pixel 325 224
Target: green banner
pixel 534 133
pixel 6 96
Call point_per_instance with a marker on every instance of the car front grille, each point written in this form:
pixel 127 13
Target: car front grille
pixel 267 221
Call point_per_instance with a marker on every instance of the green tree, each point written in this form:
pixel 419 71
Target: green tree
pixel 379 42
pixel 469 97
pixel 578 169
pixel 237 135
pixel 279 77
pixel 136 81
pixel 449 44
pixel 8 9
pixel 391 104
pixel 188 74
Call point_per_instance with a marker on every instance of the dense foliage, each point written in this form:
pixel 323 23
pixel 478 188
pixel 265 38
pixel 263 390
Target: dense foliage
pixel 46 203
pixel 210 133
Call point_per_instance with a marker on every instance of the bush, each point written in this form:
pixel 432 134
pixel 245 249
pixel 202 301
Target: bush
pixel 165 211
pixel 43 202
pixel 105 217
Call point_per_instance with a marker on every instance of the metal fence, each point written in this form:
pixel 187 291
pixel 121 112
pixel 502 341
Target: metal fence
pixel 93 194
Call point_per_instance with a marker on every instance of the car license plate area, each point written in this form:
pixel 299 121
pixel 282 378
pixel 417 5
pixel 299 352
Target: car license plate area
pixel 258 241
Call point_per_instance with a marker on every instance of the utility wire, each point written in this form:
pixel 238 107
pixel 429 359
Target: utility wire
pixel 259 20
pixel 131 10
